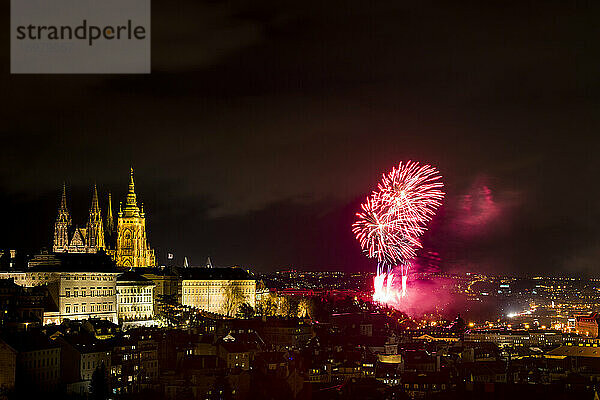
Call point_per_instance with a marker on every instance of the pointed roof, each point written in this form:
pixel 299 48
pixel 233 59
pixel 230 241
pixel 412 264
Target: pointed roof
pixel 95 206
pixel 63 211
pixel 209 263
pixel 110 224
pixel 131 208
pixel 63 199
pixel 78 238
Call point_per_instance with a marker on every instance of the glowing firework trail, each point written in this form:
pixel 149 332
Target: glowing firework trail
pixel 380 234
pixel 412 193
pixel 393 218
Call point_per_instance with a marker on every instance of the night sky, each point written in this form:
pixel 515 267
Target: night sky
pixel 265 123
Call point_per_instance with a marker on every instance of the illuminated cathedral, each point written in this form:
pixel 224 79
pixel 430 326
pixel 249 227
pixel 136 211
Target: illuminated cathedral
pixel 126 243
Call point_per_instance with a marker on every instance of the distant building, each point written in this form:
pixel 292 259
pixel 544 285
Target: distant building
pixel 437 335
pixel 37 361
pixel 78 240
pixel 8 367
pixel 81 355
pixel 21 306
pixel 126 243
pixel 584 357
pixel 135 297
pixel 285 334
pixel 217 290
pixel 81 286
pixel 10 259
pixel 167 288
pixel 236 353
pixel 534 337
pixel 587 325
pixel 134 362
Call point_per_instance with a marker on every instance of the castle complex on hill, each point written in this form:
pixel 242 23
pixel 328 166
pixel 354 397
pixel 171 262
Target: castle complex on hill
pixel 126 243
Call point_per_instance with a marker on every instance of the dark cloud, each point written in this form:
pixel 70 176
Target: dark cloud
pixel 264 124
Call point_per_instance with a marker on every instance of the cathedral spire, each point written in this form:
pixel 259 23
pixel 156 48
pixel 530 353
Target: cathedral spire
pixel 63 199
pixel 63 210
pixel 131 197
pixel 95 206
pixel 132 249
pixel 62 224
pixel 110 224
pixel 131 208
pixel 94 232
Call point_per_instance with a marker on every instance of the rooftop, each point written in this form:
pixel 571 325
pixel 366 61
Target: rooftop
pixel 131 276
pixel 214 273
pixel 68 262
pixel 574 351
pixel 29 341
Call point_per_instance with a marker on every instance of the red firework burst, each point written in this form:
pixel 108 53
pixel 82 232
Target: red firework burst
pixel 396 215
pixel 380 234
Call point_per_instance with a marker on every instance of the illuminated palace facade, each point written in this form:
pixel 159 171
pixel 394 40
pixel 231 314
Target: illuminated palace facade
pixel 126 243
pixel 80 286
pixel 217 290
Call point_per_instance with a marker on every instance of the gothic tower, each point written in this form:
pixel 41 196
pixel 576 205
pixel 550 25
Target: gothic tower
pixel 94 232
pixel 62 225
pixel 110 225
pixel 132 244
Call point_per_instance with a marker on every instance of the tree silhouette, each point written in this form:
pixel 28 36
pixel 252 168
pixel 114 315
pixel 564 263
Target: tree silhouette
pixel 233 298
pixel 99 384
pixel 245 311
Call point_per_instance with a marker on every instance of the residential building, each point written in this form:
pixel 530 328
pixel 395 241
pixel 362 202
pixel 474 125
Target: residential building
pixel 135 297
pixel 37 361
pixel 81 355
pixel 8 367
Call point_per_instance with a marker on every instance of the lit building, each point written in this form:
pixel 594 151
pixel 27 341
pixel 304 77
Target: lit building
pixel 126 243
pixel 236 353
pixel 81 286
pixel 217 290
pixel 78 240
pixel 132 245
pixel 167 289
pixel 587 325
pixel 538 338
pixel 135 297
pixel 134 362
